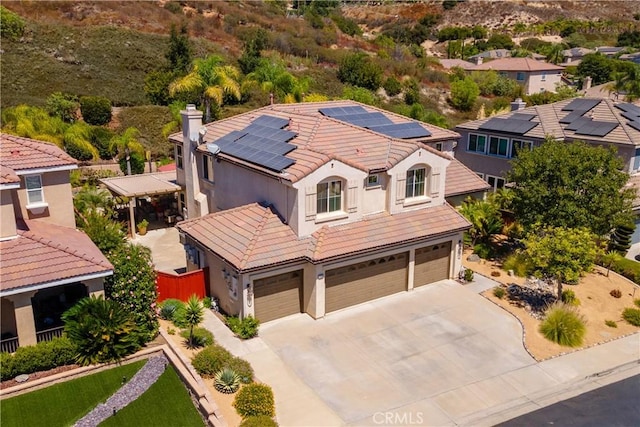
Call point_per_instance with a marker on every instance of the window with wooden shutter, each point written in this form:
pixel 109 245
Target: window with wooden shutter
pixel 310 203
pixel 401 180
pixel 352 196
pixel 435 181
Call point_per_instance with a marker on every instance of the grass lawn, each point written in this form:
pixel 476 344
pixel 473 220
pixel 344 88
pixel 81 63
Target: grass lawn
pixel 166 403
pixel 65 403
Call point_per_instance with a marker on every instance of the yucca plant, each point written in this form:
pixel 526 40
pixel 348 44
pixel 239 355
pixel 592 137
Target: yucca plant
pixel 227 381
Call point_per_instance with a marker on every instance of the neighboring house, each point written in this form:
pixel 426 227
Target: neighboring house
pixel 534 76
pixel 448 64
pixel 481 57
pixel 46 264
pixel 314 207
pixel 488 145
pixel 633 57
pixel 609 51
pixel 574 55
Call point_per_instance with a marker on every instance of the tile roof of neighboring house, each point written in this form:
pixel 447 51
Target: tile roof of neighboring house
pixel 576 51
pixel 22 154
pixel 462 180
pixel 7 175
pixel 517 64
pixel 494 53
pixel 253 236
pixel 320 139
pixel 44 253
pixel 450 63
pixel 549 115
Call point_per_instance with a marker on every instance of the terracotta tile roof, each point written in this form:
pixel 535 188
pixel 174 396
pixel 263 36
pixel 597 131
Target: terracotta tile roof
pixel 253 236
pixel 247 237
pixel 320 139
pixel 516 64
pixel 8 176
pixel 450 63
pixel 21 154
pixel 462 180
pixel 44 253
pixel 549 115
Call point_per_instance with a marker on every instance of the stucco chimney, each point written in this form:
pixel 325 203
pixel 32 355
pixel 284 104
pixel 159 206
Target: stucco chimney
pixel 586 84
pixel 191 124
pixel 478 60
pixel 518 104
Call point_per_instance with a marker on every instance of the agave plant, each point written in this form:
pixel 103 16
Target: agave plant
pixel 226 381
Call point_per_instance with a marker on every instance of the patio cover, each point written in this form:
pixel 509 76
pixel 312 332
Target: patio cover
pixel 148 184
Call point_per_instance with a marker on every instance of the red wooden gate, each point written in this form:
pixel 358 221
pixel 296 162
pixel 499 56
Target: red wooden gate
pixel 181 286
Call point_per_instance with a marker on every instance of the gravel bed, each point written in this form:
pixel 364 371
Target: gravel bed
pixel 138 384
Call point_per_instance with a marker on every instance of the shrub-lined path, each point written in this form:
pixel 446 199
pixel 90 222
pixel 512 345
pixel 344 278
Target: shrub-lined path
pixel 129 392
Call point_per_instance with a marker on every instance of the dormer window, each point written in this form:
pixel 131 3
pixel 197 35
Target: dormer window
pixel 329 197
pixel 35 193
pixel 179 157
pixel 415 185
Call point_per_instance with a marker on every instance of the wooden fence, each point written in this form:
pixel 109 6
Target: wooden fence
pixel 181 286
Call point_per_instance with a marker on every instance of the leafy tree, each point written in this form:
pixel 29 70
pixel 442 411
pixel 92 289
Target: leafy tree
pixel 500 41
pixel 561 254
pixel 135 166
pixel 360 94
pixel 11 24
pixel 63 105
pixel 251 54
pixel 96 110
pixel 156 86
pixel 627 82
pixel 629 38
pixel 101 138
pixel 484 217
pixel 179 53
pixel 359 70
pixel 597 66
pixel 193 315
pixel 464 94
pixel 104 331
pixel 212 80
pixel 609 258
pixel 411 92
pixel 133 285
pixel 392 86
pixel 103 231
pixel 570 185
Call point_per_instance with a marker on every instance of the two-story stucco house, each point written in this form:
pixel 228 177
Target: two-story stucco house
pixel 315 207
pixel 533 75
pixel 46 264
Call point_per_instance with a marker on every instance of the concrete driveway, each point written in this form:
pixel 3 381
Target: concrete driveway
pixel 425 357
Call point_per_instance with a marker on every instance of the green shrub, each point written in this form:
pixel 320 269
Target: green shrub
pixel 518 263
pixel 11 24
pixel 483 250
pixel 258 421
pixel 392 86
pixel 563 325
pixel 631 315
pixel 101 139
pixel 40 357
pixel 96 110
pixel 499 292
pixel 226 381
pixel 245 328
pixel 214 358
pixel 468 275
pixel 169 307
pixel 206 302
pixel 611 323
pixel 464 94
pixel 637 302
pixel 627 268
pixel 569 297
pixel 255 399
pixel 63 105
pixel 78 151
pixel 201 337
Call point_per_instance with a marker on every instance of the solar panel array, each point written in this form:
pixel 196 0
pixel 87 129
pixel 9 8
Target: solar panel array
pixel 581 125
pixel 375 121
pixel 509 125
pixel 264 142
pixel 523 116
pixel 631 112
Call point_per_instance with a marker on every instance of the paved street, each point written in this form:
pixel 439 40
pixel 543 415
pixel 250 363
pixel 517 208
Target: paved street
pixel 614 405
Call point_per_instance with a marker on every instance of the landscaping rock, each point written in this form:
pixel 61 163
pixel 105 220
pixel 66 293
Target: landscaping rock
pixel 22 378
pixel 141 381
pixel 473 258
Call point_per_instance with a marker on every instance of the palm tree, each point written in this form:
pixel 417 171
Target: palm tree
pixel 193 315
pixel 554 53
pixel 212 80
pixel 484 217
pixel 274 78
pixel 102 329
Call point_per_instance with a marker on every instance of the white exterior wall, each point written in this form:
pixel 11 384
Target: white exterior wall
pixel 536 83
pixel 435 182
pixel 350 176
pixel 374 197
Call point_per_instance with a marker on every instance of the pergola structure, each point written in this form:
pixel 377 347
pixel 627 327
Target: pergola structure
pixel 144 185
